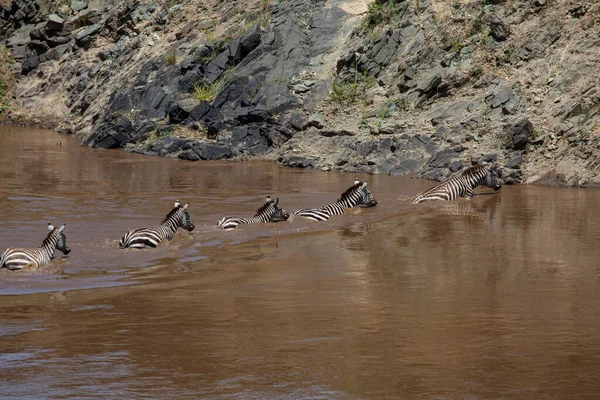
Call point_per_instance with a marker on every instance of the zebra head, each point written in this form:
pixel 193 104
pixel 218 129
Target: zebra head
pixel 367 198
pixel 493 177
pixel 61 243
pixel 186 221
pixel 280 214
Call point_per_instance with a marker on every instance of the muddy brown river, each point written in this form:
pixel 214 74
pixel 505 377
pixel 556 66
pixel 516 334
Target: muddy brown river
pixel 498 297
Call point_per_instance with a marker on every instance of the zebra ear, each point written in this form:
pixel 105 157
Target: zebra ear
pixel 364 185
pixel 177 203
pixel 186 206
pixel 62 228
pixel 50 227
pixel 277 201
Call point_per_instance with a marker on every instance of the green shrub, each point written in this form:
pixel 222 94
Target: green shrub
pixel 379 13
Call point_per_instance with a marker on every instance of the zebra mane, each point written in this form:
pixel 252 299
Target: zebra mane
pixel 350 190
pixel 266 205
pixel 474 169
pixel 172 212
pixel 47 240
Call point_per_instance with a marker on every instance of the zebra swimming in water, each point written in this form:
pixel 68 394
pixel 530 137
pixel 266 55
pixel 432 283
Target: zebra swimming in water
pixel 14 258
pixel 269 212
pixel 464 184
pixel 140 238
pixel 356 196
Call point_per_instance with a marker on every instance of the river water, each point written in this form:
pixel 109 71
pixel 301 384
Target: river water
pixel 498 297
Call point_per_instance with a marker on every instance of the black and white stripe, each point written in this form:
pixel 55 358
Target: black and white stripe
pixel 14 258
pixel 356 196
pixel 463 185
pixel 151 236
pixel 269 212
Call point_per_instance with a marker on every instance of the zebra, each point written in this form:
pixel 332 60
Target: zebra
pixel 356 196
pixel 15 259
pixel 151 236
pixel 269 212
pixel 464 184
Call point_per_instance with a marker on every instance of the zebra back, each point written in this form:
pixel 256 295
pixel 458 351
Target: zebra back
pixel 140 238
pixel 268 212
pixel 17 258
pixel 464 184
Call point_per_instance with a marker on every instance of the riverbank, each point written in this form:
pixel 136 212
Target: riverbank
pixel 424 88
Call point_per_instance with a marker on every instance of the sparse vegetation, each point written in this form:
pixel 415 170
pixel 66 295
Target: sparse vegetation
pixel 208 92
pixel 170 57
pixel 379 14
pixel 7 82
pixel 348 91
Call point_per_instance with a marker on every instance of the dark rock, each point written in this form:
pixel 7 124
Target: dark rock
pixel 181 110
pixel 211 151
pixel 167 146
pixel 442 158
pixel 521 134
pixel 492 157
pixel 58 40
pixel 513 177
pixel 104 55
pixel 252 138
pixel 429 84
pixel 298 162
pixel 29 63
pixel 47 56
pixel 515 162
pixel 54 23
pixel 189 155
pixel 38 32
pixel 38 46
pixel 499 29
pixel 295 120
pixel 578 10
pixel 111 135
pixel 455 166
pixel 337 132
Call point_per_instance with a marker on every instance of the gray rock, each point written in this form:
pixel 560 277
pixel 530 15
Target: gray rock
pixel 515 162
pixel 503 96
pixel 389 127
pixel 316 120
pixel 295 120
pixel 84 37
pixel 77 5
pixel 298 162
pixel 428 85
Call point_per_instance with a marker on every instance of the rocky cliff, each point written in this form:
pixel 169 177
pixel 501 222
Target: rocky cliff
pixel 391 87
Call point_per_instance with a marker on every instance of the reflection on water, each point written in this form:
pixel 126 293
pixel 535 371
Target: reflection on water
pixel 496 297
